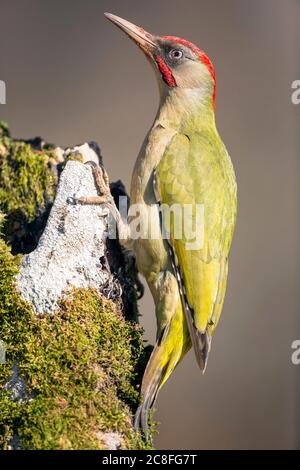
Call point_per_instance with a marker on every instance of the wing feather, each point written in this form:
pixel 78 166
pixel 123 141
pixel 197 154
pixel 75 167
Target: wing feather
pixel 196 170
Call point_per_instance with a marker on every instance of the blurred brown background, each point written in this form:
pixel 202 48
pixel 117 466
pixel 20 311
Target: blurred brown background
pixel 71 76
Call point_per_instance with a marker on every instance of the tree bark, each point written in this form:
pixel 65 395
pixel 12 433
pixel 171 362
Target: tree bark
pixel 69 319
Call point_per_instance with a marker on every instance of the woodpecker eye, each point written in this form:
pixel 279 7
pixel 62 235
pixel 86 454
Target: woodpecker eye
pixel 175 54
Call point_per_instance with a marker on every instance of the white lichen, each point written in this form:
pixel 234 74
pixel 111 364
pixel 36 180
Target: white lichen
pixel 69 251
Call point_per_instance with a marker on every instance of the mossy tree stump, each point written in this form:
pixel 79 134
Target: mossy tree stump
pixel 74 353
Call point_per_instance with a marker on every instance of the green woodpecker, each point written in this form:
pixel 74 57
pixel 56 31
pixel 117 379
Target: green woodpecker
pixel 184 162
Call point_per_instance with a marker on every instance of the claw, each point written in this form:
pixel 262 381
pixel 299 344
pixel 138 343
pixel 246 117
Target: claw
pixel 73 201
pixel 91 164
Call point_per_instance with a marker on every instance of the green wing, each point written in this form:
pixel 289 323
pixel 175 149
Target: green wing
pixel 196 171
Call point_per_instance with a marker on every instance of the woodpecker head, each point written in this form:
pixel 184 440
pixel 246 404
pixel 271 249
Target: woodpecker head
pixel 178 62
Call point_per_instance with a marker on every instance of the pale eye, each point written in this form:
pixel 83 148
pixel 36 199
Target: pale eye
pixel 175 54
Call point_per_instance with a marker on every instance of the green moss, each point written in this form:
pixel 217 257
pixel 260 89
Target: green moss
pixel 81 365
pixel 4 130
pixel 77 157
pixel 27 189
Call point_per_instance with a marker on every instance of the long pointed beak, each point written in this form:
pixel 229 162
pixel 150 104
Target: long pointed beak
pixel 144 40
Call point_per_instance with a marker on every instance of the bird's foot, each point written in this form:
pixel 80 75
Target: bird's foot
pixel 106 199
pixel 104 196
